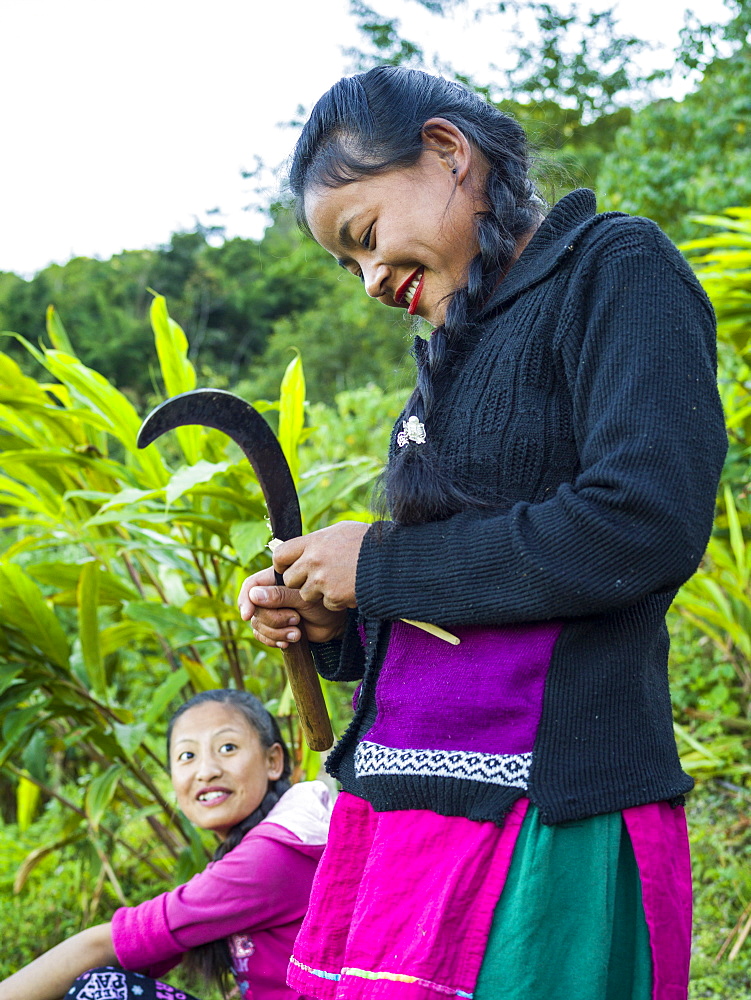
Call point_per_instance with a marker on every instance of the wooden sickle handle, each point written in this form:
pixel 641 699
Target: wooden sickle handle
pixel 306 690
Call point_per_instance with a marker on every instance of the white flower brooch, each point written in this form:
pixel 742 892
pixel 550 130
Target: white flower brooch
pixel 412 430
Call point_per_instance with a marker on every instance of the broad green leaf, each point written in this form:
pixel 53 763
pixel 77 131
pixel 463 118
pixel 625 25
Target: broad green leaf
pixel 192 475
pixel 35 754
pixel 88 627
pixel 130 736
pixel 100 792
pixel 201 677
pixel 56 332
pixel 11 377
pixel 22 605
pixel 249 538
pixel 167 691
pixel 178 373
pixel 27 800
pixel 17 724
pixel 737 541
pixel 177 628
pixel 202 606
pixel 8 673
pixel 65 576
pixel 14 494
pixel 127 498
pixel 292 412
pixel 172 349
pixel 123 634
pixel 122 418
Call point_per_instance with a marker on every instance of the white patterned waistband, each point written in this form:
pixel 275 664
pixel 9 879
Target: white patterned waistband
pixel 509 770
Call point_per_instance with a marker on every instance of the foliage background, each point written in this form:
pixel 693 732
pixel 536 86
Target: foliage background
pixel 119 568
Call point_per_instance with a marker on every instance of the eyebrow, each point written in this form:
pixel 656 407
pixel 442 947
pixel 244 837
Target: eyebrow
pixel 224 729
pixel 346 239
pixel 345 233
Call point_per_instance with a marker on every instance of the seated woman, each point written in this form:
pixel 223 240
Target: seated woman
pixel 229 769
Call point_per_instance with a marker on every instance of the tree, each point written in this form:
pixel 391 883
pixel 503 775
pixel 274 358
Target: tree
pixel 678 158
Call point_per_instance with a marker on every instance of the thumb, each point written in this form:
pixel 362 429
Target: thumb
pixel 276 597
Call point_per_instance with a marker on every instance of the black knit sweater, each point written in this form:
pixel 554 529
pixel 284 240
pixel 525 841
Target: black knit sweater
pixel 583 412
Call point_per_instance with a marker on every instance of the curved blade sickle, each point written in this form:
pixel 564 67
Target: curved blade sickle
pixel 239 420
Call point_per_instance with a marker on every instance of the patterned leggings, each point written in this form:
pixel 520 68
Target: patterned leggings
pixel 111 983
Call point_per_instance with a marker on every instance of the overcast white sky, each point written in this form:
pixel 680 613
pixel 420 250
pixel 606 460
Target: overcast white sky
pixel 123 121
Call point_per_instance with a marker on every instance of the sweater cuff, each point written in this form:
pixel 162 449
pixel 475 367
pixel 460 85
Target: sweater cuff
pixel 341 659
pixel 142 941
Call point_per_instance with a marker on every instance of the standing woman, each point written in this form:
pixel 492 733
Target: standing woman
pixel 239 917
pixel 511 823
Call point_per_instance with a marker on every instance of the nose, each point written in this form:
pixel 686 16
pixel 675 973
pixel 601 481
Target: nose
pixel 375 277
pixel 209 767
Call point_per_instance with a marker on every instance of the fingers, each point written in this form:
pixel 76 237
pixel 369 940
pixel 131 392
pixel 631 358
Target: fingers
pixel 276 627
pixel 270 609
pixel 288 552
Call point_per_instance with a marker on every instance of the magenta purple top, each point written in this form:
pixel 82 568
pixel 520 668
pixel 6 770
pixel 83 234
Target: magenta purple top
pixel 255 896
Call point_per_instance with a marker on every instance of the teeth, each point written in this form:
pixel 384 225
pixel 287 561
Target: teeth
pixel 408 295
pixel 209 796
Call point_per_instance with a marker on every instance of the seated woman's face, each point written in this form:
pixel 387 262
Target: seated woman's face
pixel 408 233
pixel 219 769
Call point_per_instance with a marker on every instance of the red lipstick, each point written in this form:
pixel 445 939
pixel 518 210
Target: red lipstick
pixel 399 295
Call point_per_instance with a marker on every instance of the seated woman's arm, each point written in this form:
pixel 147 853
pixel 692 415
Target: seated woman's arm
pixel 50 976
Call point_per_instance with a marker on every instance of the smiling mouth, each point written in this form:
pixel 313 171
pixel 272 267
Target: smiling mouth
pixel 409 293
pixel 210 795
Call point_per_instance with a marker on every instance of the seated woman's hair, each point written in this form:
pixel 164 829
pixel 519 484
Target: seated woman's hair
pixel 371 123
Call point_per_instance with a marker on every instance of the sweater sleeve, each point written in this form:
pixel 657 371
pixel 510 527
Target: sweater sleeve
pixel 636 346
pixel 264 882
pixel 341 659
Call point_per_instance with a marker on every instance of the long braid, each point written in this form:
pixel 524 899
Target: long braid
pixel 372 123
pixel 212 961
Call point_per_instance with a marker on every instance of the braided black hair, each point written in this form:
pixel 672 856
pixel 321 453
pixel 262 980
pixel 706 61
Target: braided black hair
pixel 212 961
pixel 371 123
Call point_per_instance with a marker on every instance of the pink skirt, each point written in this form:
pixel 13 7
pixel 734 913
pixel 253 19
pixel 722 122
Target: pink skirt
pixel 403 902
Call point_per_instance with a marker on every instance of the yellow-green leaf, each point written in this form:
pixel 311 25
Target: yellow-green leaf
pixel 201 677
pixel 100 792
pixel 249 538
pixel 27 800
pixel 178 373
pixel 23 606
pixel 56 332
pixel 292 412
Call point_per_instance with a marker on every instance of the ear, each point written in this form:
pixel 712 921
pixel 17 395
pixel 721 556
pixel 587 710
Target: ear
pixel 450 143
pixel 274 762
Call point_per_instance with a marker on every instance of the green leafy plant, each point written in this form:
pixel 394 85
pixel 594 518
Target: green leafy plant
pixel 118 578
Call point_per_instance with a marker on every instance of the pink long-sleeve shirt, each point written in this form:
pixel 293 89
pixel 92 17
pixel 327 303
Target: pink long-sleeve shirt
pixel 255 896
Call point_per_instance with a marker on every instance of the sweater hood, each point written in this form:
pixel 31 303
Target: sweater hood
pixel 305 812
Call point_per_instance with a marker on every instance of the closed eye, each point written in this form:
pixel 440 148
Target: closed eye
pixel 352 267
